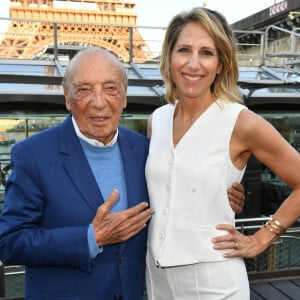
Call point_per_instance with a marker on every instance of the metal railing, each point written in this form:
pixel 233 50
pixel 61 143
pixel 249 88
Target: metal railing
pixel 285 55
pixel 12 282
pixel 56 39
pixel 282 255
pixel 255 48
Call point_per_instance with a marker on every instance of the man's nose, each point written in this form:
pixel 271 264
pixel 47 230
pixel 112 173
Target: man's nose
pixel 98 98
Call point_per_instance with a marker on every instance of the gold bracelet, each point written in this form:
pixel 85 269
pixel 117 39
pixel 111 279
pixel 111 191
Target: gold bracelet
pixel 268 227
pixel 278 224
pixel 275 226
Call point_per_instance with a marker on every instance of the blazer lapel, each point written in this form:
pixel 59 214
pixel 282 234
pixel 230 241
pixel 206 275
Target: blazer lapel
pixel 77 166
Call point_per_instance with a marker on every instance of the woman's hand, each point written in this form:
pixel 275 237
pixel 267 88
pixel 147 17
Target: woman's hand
pixel 242 245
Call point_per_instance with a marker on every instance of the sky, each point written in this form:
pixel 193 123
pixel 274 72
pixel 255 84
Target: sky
pixel 158 13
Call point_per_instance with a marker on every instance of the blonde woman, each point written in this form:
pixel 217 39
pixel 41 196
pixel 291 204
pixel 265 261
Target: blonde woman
pixel 200 144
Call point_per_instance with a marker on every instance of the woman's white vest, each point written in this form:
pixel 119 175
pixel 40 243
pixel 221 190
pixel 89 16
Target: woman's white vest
pixel 188 184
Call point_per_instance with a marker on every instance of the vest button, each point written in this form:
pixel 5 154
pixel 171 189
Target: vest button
pixel 168 186
pixel 170 162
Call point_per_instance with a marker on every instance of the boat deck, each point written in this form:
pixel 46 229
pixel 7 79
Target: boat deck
pixel 275 285
pixel 279 289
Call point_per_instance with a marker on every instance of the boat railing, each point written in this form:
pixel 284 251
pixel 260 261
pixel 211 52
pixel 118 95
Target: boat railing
pixel 53 44
pixel 281 258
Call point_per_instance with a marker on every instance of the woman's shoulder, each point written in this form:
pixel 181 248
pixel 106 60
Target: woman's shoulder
pixel 230 105
pixel 249 123
pixel 164 108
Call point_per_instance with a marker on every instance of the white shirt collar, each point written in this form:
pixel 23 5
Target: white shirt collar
pixel 93 142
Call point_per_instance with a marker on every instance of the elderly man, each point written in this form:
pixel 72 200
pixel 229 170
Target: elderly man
pixel 55 221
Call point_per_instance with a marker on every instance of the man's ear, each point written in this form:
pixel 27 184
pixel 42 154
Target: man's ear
pixel 125 103
pixel 68 104
pixel 67 99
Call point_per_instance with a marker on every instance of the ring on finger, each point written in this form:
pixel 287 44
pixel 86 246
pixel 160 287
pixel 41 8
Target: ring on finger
pixel 236 245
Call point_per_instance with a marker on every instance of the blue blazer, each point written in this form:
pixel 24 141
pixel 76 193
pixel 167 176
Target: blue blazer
pixel 51 198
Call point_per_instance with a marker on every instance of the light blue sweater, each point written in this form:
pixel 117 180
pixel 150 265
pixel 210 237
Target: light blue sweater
pixel 107 166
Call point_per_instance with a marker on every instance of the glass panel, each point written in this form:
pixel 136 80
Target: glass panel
pixel 288 124
pixel 15 128
pixel 265 192
pixel 19 88
pixel 28 69
pixel 137 122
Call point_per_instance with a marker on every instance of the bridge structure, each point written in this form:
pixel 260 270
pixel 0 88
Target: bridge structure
pixel 108 24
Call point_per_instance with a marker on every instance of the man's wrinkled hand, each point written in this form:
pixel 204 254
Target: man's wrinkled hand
pixel 111 228
pixel 236 196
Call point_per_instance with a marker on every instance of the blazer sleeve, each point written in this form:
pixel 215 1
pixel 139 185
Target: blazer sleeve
pixel 24 239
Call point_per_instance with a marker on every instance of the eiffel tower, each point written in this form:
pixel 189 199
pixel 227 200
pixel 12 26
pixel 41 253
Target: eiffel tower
pixel 76 24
